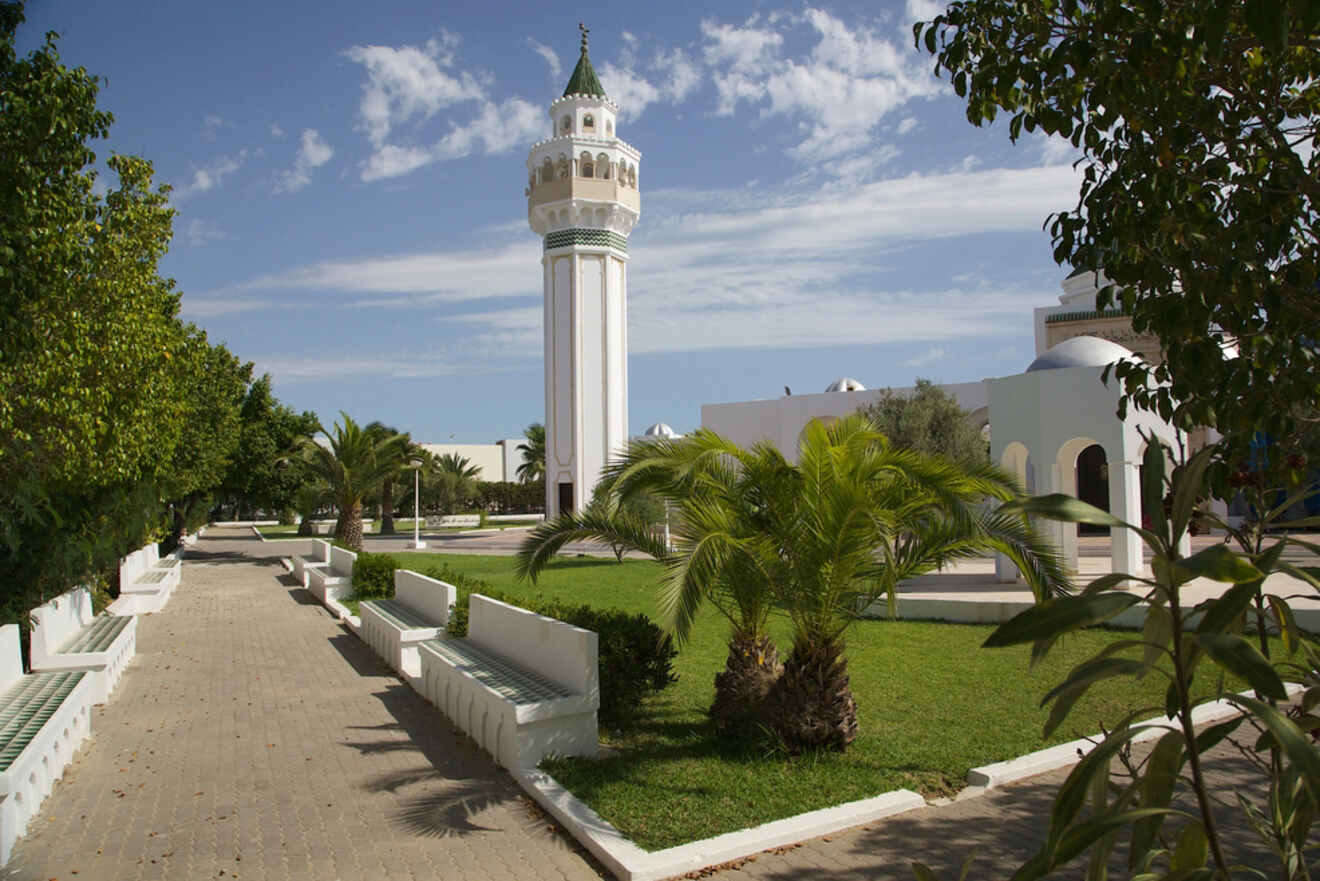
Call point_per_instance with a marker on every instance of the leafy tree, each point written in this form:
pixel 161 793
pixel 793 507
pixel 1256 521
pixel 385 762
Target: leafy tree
pixel 90 415
pixel 211 385
pixel 1200 188
pixel 262 474
pixel 353 464
pixel 533 453
pixel 820 539
pixel 928 421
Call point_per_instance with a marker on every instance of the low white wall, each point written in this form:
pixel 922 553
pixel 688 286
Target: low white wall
pixel 56 621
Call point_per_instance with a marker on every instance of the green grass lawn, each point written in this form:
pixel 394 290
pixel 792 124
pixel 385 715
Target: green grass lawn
pixel 932 705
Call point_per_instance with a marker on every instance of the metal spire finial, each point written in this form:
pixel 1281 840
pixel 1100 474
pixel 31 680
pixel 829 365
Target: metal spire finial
pixel 585 30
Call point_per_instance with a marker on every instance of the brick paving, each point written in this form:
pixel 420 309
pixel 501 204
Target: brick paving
pixel 254 738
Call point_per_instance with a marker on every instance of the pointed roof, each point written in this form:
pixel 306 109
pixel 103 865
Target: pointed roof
pixel 584 80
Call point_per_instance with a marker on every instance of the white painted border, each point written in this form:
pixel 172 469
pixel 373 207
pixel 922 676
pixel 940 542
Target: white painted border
pixel 1065 754
pixel 630 863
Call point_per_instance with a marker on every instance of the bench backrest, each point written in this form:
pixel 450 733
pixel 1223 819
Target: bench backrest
pixel 57 621
pixel 139 561
pixel 320 551
pixel 11 657
pixel 341 561
pixel 430 596
pixel 556 650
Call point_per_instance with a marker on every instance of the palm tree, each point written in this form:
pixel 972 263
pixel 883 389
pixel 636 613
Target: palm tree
pixel 402 449
pixel 821 539
pixel 533 451
pixel 307 500
pixel 353 464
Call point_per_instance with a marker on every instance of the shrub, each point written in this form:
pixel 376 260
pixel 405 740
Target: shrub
pixel 373 576
pixel 636 657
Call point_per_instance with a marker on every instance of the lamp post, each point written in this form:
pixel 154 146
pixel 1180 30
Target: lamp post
pixel 416 466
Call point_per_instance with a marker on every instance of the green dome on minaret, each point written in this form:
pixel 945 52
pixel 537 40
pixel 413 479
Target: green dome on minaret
pixel 584 80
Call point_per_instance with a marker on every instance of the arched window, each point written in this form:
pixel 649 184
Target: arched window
pixel 547 171
pixel 609 127
pixel 563 171
pixel 632 176
pixel 603 167
pixel 566 125
pixel 588 123
pixel 586 168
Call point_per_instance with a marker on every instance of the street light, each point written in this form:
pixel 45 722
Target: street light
pixel 416 466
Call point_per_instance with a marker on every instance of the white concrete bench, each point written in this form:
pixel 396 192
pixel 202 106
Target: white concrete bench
pixel 521 685
pixel 334 581
pixel 319 558
pixel 44 717
pixel 67 636
pixel 419 611
pixel 146 580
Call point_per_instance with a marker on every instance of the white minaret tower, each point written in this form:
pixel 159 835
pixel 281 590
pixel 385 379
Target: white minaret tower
pixel 582 198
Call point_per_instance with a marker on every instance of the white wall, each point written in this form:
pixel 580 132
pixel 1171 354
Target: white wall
pixel 488 457
pixel 781 420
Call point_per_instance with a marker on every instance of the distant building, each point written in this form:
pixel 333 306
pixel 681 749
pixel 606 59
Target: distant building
pixel 498 461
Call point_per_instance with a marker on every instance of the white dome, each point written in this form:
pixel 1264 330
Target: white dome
pixel 845 384
pixel 1080 351
pixel 660 429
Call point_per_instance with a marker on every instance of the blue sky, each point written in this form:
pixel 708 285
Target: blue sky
pixel 349 184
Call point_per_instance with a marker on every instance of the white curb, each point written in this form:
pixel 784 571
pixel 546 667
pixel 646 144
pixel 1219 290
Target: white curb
pixel 630 863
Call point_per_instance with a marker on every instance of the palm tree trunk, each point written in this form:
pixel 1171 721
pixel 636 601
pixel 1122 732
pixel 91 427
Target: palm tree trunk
pixel 812 704
pixel 750 672
pixel 306 527
pixel 348 530
pixel 387 508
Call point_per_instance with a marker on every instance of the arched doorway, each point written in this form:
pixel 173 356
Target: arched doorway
pixel 1093 484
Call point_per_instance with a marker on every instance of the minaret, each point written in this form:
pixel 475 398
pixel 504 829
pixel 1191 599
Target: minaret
pixel 582 198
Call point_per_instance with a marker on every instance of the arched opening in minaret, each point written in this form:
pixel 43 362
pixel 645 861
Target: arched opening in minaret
pixel 603 166
pixel 547 170
pixel 586 166
pixel 609 127
pixel 588 123
pixel 566 125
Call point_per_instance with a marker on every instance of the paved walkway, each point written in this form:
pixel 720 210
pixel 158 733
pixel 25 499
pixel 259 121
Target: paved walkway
pixel 254 738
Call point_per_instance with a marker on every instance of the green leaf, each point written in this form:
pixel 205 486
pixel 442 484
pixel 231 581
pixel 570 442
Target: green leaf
pixel 1294 744
pixel 1236 655
pixel 1212 736
pixel 1217 563
pixel 1192 849
pixel 1081 836
pixel 923 872
pixel 1157 633
pixel 1066 508
pixel 1053 617
pixel 1066 694
pixel 1286 622
pixel 1161 776
pixel 1226 610
pixel 1152 490
pixel 1072 794
pixel 1188 483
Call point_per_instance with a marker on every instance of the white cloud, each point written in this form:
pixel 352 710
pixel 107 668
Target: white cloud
pixel 287 369
pixel 210 176
pixel 313 152
pixel 276 131
pixel 408 83
pixel 930 356
pixel 211 307
pixel 907 125
pixel 1054 150
pixel 496 128
pixel 670 78
pixel 200 231
pixel 852 79
pixel 922 10
pixel 551 57
pixel 211 124
pixel 769 274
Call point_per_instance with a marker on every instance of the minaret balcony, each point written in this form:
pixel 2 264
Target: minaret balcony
pixel 585 188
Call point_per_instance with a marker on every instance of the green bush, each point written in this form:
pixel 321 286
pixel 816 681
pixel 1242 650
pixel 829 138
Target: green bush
pixel 373 576
pixel 636 657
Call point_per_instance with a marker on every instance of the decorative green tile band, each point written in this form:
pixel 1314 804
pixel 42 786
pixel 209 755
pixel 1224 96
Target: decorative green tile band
pixel 596 238
pixel 1086 316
